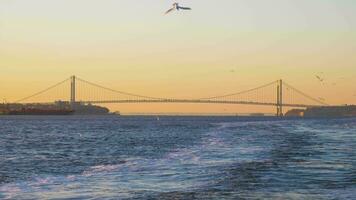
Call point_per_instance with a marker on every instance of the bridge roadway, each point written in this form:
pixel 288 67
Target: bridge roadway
pixel 198 101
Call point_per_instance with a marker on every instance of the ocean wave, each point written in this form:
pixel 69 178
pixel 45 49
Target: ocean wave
pixel 102 169
pixel 9 191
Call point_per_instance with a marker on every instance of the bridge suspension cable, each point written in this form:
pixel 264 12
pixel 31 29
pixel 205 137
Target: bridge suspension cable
pixel 239 93
pixel 41 92
pixel 305 95
pixel 120 92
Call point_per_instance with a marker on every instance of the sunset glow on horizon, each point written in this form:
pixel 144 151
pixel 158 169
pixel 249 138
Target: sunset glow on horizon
pixel 218 47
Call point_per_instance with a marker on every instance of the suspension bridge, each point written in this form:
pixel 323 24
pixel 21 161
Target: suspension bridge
pixel 76 90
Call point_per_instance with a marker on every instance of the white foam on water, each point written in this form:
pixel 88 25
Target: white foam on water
pixel 9 191
pixel 179 170
pixel 42 181
pixel 100 169
pixel 183 156
pixel 226 125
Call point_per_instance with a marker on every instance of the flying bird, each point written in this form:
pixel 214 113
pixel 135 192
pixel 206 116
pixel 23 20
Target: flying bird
pixel 177 7
pixel 319 78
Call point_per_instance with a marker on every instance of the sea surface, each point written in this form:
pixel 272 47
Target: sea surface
pixel 112 157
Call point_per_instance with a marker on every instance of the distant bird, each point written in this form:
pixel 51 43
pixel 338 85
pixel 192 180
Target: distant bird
pixel 177 7
pixel 321 99
pixel 319 78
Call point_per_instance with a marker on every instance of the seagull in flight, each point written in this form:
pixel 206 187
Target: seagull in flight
pixel 177 7
pixel 319 78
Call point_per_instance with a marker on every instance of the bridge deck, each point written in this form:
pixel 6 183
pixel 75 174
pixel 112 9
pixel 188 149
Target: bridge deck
pixel 198 102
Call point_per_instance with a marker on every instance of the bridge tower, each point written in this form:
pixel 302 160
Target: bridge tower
pixel 280 99
pixel 72 91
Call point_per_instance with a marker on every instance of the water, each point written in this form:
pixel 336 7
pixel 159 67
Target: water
pixel 176 158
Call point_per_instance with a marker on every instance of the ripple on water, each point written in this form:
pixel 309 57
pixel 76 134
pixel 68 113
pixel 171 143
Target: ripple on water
pixel 180 158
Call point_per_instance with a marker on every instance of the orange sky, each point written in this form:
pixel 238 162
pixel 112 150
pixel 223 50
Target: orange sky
pixel 214 49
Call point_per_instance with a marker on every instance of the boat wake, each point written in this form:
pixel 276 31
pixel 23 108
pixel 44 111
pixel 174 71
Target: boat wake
pixel 182 169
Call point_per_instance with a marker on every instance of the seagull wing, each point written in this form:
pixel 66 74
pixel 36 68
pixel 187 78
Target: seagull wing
pixel 168 11
pixel 184 8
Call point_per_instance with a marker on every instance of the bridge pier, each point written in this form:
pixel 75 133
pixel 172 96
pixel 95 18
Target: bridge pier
pixel 279 99
pixel 72 91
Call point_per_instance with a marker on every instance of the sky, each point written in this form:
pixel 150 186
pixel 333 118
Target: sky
pixel 219 47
